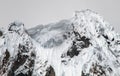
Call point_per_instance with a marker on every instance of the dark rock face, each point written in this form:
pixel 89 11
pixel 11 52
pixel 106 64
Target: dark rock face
pixel 83 42
pixel 1 33
pixel 78 44
pixel 6 57
pixel 96 70
pixel 22 60
pixel 21 74
pixel 50 71
pixel 83 74
pixel 73 51
pixel 5 61
pixel 17 63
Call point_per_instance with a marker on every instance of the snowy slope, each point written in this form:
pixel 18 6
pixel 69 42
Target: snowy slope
pixel 84 45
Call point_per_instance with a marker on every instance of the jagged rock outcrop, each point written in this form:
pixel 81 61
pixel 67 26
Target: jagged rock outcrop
pixel 17 52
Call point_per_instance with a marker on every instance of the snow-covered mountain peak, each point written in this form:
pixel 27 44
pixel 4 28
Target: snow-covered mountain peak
pixel 90 23
pixel 87 16
pixel 84 45
pixel 17 27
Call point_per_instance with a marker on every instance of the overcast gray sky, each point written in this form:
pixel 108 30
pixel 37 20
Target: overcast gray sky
pixel 34 12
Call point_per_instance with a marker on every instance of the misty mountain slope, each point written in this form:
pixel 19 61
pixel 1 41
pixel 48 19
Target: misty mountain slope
pixel 49 32
pixel 84 45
